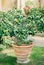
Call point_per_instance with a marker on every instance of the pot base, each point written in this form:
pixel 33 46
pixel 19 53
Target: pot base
pixel 23 61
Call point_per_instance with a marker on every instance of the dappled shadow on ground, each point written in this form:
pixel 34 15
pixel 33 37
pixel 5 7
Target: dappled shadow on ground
pixel 9 60
pixel 36 58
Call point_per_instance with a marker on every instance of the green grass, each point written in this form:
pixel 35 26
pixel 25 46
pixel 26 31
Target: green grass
pixel 36 58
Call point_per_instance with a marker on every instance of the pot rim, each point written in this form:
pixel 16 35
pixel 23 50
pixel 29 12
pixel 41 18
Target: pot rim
pixel 31 45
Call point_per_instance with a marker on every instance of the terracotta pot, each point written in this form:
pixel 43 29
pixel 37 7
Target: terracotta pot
pixel 22 53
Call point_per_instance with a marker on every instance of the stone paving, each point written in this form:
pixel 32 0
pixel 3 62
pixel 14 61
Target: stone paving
pixel 37 40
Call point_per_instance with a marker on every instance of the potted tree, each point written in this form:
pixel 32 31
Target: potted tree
pixel 22 44
pixel 13 23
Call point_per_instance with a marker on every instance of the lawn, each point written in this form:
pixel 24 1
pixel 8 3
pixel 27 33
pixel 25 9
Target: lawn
pixel 7 56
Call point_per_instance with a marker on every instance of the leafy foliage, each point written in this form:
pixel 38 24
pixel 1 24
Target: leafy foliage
pixel 7 20
pixel 21 32
pixel 3 24
pixel 7 40
pixel 35 18
pixel 14 23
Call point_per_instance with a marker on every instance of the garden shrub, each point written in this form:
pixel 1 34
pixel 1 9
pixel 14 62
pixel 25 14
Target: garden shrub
pixel 36 17
pixel 14 23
